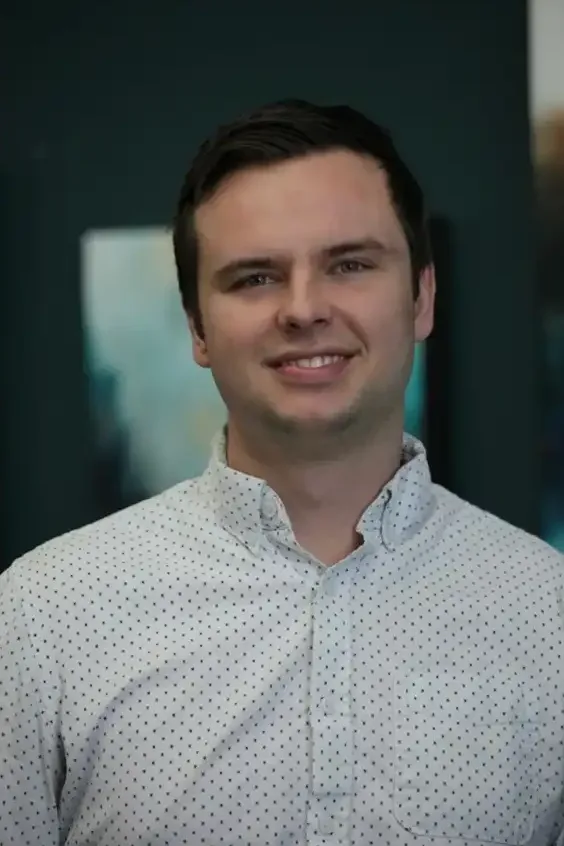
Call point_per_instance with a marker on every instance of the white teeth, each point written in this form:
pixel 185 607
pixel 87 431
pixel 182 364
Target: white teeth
pixel 317 361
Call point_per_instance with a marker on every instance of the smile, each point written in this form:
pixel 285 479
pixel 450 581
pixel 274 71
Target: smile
pixel 315 362
pixel 320 370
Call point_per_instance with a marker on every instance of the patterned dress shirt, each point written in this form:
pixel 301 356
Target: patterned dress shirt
pixel 183 673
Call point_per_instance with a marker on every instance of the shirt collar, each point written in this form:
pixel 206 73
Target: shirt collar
pixel 247 507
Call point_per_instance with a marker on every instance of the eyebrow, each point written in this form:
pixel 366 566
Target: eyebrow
pixel 268 262
pixel 363 245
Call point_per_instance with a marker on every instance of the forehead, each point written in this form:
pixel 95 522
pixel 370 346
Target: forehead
pixel 296 205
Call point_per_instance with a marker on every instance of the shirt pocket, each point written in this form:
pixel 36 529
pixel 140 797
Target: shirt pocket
pixel 466 758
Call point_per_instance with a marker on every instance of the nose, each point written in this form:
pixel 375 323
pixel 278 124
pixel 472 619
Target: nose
pixel 304 303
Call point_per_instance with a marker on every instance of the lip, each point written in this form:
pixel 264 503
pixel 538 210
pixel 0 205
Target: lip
pixel 321 377
pixel 295 355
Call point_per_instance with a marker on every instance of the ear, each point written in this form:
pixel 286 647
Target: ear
pixel 199 346
pixel 425 304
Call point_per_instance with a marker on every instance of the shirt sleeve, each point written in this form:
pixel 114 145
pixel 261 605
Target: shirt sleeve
pixel 31 761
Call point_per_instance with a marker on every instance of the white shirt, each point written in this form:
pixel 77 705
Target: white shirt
pixel 184 674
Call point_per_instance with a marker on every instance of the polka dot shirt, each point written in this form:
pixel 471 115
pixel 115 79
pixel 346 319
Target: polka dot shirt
pixel 183 673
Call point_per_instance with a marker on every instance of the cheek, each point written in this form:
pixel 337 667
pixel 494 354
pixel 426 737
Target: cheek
pixel 230 338
pixel 235 326
pixel 387 322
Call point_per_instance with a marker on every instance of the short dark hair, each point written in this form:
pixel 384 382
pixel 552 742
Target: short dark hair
pixel 285 130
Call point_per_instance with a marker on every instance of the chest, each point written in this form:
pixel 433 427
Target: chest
pixel 333 711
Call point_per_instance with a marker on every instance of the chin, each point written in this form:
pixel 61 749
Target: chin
pixel 314 422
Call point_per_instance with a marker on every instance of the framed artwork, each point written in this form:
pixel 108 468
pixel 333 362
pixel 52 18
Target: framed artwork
pixel 154 410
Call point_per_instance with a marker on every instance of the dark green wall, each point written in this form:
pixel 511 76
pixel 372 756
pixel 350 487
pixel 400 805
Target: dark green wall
pixel 101 116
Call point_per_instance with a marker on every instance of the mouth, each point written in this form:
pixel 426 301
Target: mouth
pixel 308 360
pixel 312 362
pixel 322 368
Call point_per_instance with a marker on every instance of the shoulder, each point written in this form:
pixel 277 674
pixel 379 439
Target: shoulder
pixel 115 549
pixel 483 538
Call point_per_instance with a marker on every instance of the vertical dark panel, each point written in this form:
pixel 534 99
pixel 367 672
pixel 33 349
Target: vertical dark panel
pixel 44 455
pixel 495 307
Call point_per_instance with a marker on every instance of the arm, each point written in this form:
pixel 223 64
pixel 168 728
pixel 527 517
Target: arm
pixel 31 761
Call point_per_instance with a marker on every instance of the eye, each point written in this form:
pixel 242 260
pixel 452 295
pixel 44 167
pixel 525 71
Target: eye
pixel 254 280
pixel 348 266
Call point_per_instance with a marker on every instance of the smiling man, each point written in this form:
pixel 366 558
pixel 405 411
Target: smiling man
pixel 311 643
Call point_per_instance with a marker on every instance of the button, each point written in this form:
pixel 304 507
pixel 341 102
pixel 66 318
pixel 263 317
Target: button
pixel 328 705
pixel 259 547
pixel 329 587
pixel 326 823
pixel 269 510
pixel 333 705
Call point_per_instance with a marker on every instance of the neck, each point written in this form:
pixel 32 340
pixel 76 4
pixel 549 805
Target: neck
pixel 324 497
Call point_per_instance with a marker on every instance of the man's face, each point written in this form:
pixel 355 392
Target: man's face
pixel 306 296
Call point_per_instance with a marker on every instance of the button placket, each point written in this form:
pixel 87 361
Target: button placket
pixel 331 708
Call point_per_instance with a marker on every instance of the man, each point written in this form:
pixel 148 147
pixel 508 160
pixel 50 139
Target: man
pixel 311 643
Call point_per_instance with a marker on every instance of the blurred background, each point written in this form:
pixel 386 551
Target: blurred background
pixel 100 113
